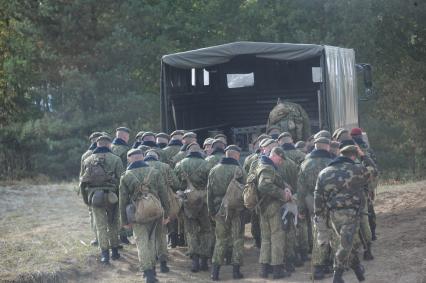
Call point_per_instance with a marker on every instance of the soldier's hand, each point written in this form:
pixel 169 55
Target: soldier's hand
pixel 360 152
pixel 287 194
pixel 166 221
pixel 301 216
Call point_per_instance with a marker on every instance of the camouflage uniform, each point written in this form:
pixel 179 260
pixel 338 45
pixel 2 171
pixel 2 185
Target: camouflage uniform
pixel 339 192
pixel 179 156
pixel 228 223
pixel 197 229
pixel 250 168
pixel 171 150
pixel 292 153
pixel 316 161
pixel 270 185
pixel 215 157
pixel 106 219
pixel 146 235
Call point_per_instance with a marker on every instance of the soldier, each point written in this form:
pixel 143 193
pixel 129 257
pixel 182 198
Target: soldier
pixel 162 140
pixel 151 158
pixel 301 145
pixel 99 188
pixel 89 152
pixel 217 154
pixel 187 139
pixel 192 172
pixel 255 155
pixel 286 142
pixel 334 149
pixel 339 193
pixel 138 139
pixel 146 235
pixel 274 132
pixel 207 146
pixel 273 192
pixel 316 161
pixel 229 229
pixel 221 137
pixel 173 147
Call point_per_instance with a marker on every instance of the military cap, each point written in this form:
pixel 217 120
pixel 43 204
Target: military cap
pixel 104 138
pixel 323 134
pixel 95 135
pixel 208 141
pixel 144 148
pixel 346 143
pixel 177 133
pixel 233 147
pixel 106 134
pixel 134 151
pixel 284 135
pixel 267 142
pixel 215 141
pixel 122 129
pixel 190 135
pixel 300 144
pixel 151 151
pixel 349 149
pixel 337 133
pixel 139 134
pixel 278 151
pixel 192 145
pixel 273 128
pixel 262 137
pixel 148 134
pixel 335 144
pixel 220 136
pixel 162 135
pixel 356 132
pixel 323 140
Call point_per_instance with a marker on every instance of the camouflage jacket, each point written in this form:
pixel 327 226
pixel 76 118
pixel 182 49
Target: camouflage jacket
pixel 195 168
pixel 215 158
pixel 316 161
pixel 289 171
pixel 153 146
pixel 249 160
pixel 270 183
pixel 166 172
pixel 120 148
pixel 340 185
pixel 292 153
pixel 180 155
pixel 131 180
pixel 219 178
pixel 171 150
pixel 88 152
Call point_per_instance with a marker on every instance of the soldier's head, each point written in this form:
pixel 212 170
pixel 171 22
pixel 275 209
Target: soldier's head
pixel 301 145
pixel 94 136
pixel 349 151
pixel 221 137
pixel 193 147
pixel 341 134
pixel 189 138
pixel 103 141
pixel 285 138
pixel 207 146
pixel 323 134
pixel 322 143
pixel 152 153
pixel 122 133
pixel 356 134
pixel 134 155
pixel 139 136
pixel 148 137
pixel 177 135
pixel 267 145
pixel 259 139
pixel 233 151
pixel 218 144
pixel 162 140
pixel 277 155
pixel 334 148
pixel 274 132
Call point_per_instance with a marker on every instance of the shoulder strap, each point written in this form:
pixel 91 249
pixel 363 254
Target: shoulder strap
pixel 145 180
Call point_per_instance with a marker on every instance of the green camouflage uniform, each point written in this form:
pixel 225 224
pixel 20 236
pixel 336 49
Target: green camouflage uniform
pixel 106 219
pixel 249 160
pixel 270 186
pixel 250 167
pixel 339 192
pixel 229 228
pixel 83 157
pixel 197 229
pixel 147 236
pixel 171 150
pixel 215 157
pixel 292 153
pixel 316 161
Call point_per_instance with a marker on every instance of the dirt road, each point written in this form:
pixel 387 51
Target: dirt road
pixel 45 235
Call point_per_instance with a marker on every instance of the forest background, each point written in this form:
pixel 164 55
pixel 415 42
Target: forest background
pixel 68 67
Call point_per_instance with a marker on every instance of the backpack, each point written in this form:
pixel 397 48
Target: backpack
pixel 250 196
pixel 95 174
pixel 147 206
pixel 194 199
pixel 175 204
pixel 233 198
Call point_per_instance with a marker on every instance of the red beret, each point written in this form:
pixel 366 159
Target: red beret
pixel 356 132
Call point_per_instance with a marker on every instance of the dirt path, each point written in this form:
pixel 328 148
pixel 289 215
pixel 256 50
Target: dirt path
pixel 44 236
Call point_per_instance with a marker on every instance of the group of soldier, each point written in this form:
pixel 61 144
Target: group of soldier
pixel 313 197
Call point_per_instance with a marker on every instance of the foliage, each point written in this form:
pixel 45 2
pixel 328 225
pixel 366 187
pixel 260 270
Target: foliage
pixel 70 67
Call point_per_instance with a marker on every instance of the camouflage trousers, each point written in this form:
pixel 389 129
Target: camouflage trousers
pixel 345 243
pixel 92 223
pixel 229 234
pixel 147 243
pixel 273 238
pixel 255 225
pixel 198 233
pixel 365 227
pixel 321 255
pixel 161 237
pixel 290 240
pixel 106 222
pixel 302 235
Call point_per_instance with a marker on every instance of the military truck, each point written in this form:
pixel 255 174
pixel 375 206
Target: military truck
pixel 231 88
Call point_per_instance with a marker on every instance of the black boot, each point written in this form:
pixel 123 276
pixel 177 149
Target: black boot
pixel 257 242
pixel 150 276
pixel 373 234
pixel 163 267
pixel 173 238
pixel 181 240
pixel 204 264
pixel 304 255
pixel 236 274
pixel 327 269
pixel 278 272
pixel 195 263
pixel 114 254
pixel 263 270
pixel 359 272
pixel 337 277
pixel 105 256
pixel 228 257
pixel 367 253
pixel 94 242
pixel 124 240
pixel 318 272
pixel 289 267
pixel 297 262
pixel 215 272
